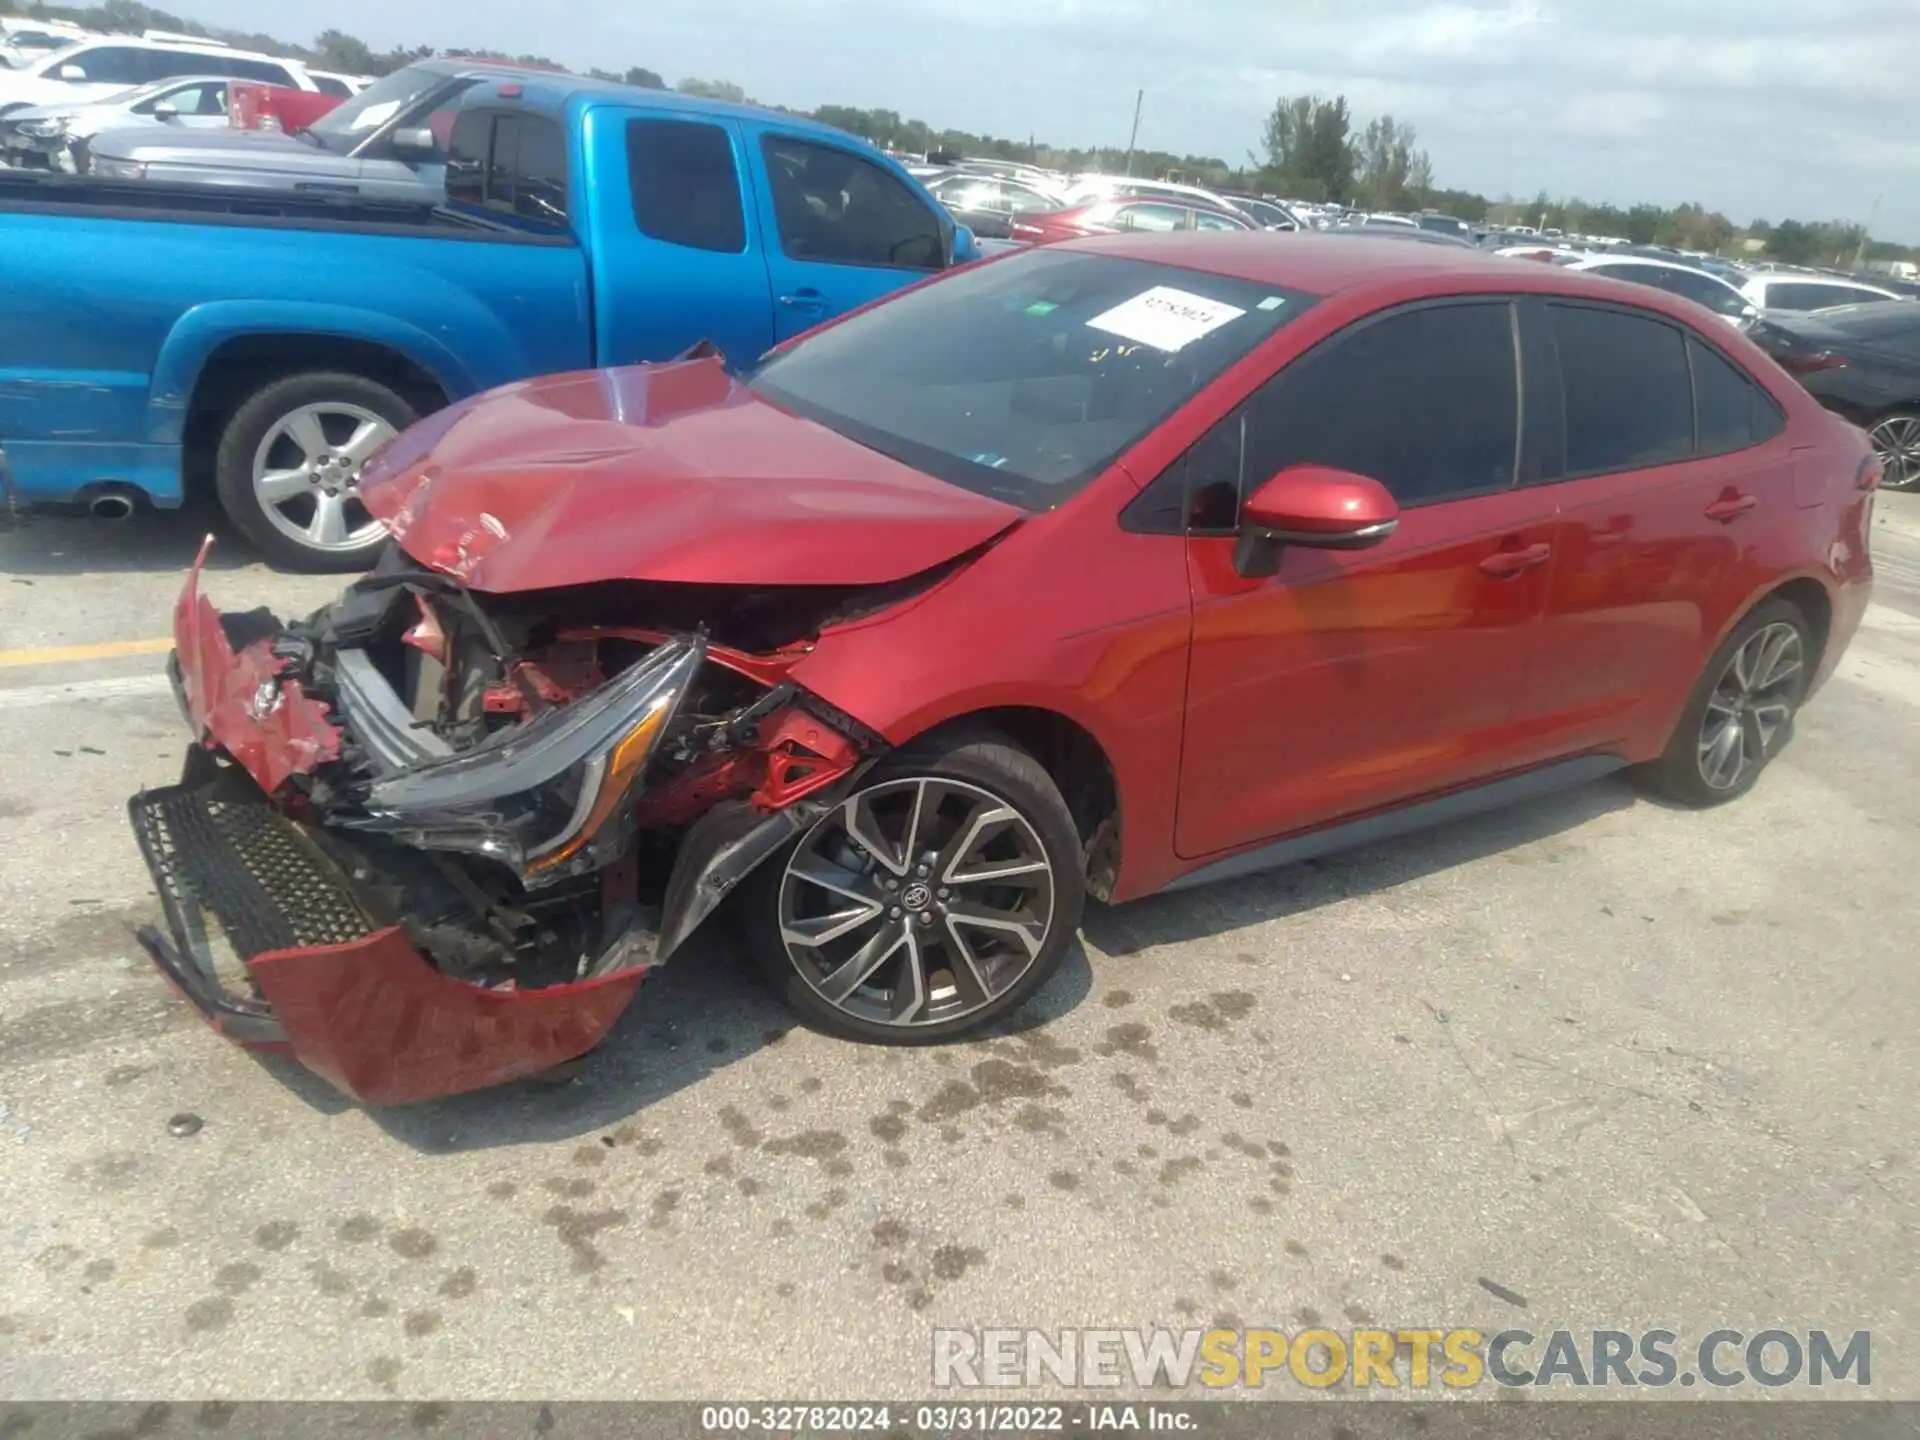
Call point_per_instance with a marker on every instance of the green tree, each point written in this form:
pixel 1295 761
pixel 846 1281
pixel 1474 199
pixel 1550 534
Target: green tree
pixel 336 50
pixel 645 79
pixel 1391 171
pixel 1307 144
pixel 1793 242
pixel 713 90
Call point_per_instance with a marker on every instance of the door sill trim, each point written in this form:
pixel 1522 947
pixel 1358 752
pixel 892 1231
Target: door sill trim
pixel 1404 819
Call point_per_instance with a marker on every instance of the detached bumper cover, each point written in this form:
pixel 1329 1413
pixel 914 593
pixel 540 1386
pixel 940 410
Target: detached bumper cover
pixel 238 700
pixel 293 962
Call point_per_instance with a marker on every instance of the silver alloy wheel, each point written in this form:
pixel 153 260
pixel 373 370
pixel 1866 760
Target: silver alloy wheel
pixel 1751 701
pixel 1896 440
pixel 917 901
pixel 306 474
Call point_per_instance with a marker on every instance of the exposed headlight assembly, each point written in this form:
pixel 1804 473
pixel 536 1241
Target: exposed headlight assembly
pixel 536 797
pixel 43 129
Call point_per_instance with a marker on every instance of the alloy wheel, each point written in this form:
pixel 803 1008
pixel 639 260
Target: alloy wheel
pixel 1896 440
pixel 1753 698
pixel 917 901
pixel 306 474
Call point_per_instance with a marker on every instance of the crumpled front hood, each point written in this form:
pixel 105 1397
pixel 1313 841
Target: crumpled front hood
pixel 665 472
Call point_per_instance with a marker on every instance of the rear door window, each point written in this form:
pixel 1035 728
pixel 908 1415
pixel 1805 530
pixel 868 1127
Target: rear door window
pixel 265 71
pixel 1811 295
pixel 832 205
pixel 113 65
pixel 1148 216
pixel 686 184
pixel 1628 392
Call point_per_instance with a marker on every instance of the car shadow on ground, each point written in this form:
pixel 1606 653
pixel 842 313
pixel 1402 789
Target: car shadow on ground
pixel 707 1011
pixel 1214 910
pixel 698 1015
pixel 58 544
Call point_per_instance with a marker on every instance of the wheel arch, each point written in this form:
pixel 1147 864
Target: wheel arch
pixel 1811 598
pixel 220 354
pixel 1078 763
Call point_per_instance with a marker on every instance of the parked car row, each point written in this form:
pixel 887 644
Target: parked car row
pixel 1000 199
pixel 276 330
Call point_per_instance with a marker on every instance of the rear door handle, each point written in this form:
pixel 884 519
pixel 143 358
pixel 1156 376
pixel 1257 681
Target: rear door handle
pixel 807 300
pixel 1504 564
pixel 1731 507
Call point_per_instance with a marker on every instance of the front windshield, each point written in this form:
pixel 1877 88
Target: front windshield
pixel 345 126
pixel 1025 378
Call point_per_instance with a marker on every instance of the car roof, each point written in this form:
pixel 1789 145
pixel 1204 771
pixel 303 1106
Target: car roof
pixel 1589 262
pixel 1329 263
pixel 194 47
pixel 558 87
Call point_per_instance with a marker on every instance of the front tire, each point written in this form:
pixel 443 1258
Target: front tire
pixel 1741 713
pixel 288 468
pixel 933 901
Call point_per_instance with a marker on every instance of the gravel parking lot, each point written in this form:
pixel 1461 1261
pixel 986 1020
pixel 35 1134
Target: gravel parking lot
pixel 1632 1066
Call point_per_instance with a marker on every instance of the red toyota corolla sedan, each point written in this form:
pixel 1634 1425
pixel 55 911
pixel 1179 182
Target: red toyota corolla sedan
pixel 1100 569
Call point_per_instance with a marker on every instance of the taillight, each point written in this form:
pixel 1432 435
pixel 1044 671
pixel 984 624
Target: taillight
pixel 1809 362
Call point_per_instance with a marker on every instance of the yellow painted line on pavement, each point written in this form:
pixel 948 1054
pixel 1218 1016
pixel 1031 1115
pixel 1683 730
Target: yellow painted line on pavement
pixel 104 650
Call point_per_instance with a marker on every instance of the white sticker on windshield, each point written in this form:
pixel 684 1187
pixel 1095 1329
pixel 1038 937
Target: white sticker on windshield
pixel 1165 318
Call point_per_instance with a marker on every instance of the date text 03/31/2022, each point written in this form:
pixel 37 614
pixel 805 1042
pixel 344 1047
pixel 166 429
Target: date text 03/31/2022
pixel 943 1419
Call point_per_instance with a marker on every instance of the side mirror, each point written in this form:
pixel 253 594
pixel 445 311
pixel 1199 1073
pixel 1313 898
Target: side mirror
pixel 165 110
pixel 1316 506
pixel 415 143
pixel 963 247
pixel 71 71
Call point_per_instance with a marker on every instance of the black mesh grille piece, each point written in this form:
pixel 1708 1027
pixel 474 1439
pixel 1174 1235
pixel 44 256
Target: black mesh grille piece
pixel 249 866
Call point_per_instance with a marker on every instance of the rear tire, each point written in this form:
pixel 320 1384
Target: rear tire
pixel 1741 713
pixel 949 810
pixel 1896 440
pixel 342 418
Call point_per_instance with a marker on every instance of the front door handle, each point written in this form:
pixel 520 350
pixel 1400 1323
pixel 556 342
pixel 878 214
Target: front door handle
pixel 1505 564
pixel 809 301
pixel 1731 507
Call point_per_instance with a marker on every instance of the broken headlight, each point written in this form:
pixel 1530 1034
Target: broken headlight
pixel 536 796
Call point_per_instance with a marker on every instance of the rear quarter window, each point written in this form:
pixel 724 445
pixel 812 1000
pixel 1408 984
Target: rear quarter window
pixel 1731 411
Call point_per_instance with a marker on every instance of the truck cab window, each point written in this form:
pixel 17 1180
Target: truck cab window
pixel 686 186
pixel 834 206
pixel 509 163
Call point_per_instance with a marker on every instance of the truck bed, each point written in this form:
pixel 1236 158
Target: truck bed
pixel 36 192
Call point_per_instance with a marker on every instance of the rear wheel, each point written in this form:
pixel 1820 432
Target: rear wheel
pixel 1741 713
pixel 934 900
pixel 1896 440
pixel 288 468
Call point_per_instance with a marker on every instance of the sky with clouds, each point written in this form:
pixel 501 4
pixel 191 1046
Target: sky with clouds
pixel 1803 108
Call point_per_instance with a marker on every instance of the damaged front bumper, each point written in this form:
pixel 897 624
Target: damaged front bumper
pixel 340 884
pixel 270 942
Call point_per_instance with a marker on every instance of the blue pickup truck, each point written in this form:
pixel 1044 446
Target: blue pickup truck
pixel 159 336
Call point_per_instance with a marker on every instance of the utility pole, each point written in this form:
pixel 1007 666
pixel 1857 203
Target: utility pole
pixel 1133 138
pixel 1873 217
